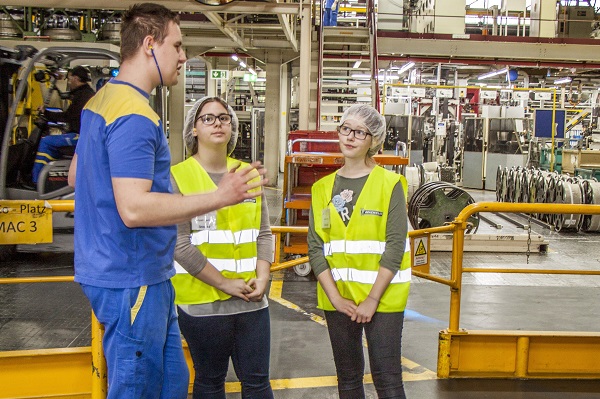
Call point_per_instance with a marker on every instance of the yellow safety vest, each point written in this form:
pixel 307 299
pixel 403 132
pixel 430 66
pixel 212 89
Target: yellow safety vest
pixel 229 242
pixel 354 251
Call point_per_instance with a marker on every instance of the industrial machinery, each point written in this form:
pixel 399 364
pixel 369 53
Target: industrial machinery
pixel 31 79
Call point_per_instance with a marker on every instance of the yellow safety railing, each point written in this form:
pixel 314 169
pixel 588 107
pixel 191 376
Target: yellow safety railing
pixel 511 354
pixel 448 338
pixel 99 372
pixel 458 227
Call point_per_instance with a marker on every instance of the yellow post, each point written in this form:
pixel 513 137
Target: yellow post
pixel 443 369
pixel 456 274
pixel 99 376
pixel 277 250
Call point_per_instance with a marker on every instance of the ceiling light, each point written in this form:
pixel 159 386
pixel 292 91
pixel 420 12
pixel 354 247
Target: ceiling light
pixel 357 64
pixel 243 64
pixel 492 73
pixel 388 77
pixel 251 71
pixel 405 67
pixel 234 57
pixel 562 81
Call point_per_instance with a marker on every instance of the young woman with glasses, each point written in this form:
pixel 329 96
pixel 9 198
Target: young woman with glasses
pixel 223 262
pixel 357 244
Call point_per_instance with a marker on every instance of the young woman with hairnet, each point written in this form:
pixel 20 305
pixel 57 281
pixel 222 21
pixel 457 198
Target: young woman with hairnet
pixel 357 244
pixel 223 263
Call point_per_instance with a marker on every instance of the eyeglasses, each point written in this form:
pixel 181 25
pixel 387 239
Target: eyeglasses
pixel 210 119
pixel 358 134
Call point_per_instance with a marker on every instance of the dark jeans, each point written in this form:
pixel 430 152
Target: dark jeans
pixel 384 338
pixel 244 337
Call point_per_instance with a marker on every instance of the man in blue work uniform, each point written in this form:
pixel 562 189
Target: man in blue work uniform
pixel 331 12
pixel 126 213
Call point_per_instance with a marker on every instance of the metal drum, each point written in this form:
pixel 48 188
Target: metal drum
pixel 62 34
pixel 110 31
pixel 61 27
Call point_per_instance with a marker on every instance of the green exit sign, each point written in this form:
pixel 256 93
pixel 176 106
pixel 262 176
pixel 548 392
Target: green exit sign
pixel 249 77
pixel 219 74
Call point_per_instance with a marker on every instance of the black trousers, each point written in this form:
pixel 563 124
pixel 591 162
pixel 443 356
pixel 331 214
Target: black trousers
pixel 384 338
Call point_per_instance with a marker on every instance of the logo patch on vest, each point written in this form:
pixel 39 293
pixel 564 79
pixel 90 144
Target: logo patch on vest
pixel 370 212
pixel 249 200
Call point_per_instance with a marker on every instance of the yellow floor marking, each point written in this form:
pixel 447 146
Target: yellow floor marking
pixel 275 295
pixel 325 381
pixel 412 371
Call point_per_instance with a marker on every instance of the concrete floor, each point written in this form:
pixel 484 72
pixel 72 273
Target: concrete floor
pixel 34 316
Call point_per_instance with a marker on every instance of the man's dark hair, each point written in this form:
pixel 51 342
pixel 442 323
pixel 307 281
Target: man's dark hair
pixel 141 20
pixel 82 73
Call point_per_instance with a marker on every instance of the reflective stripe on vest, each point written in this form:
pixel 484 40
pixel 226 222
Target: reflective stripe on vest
pixel 231 248
pixel 228 265
pixel 224 237
pixel 357 247
pixel 367 276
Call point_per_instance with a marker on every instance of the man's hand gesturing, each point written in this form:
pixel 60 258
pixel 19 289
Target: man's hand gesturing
pixel 236 185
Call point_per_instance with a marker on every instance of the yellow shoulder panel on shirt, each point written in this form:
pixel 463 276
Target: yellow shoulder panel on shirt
pixel 114 101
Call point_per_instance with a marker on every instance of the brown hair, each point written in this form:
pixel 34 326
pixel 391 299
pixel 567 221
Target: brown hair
pixel 141 20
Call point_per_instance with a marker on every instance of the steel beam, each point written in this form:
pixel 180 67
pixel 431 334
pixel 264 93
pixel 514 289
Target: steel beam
pixel 236 7
pixel 220 23
pixel 456 49
pixel 57 373
pixel 63 373
pixel 519 354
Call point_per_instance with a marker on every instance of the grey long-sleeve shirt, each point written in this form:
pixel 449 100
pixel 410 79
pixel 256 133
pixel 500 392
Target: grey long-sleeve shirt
pixel 397 224
pixel 193 261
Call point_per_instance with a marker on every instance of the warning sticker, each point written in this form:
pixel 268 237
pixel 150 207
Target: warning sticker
pixel 420 251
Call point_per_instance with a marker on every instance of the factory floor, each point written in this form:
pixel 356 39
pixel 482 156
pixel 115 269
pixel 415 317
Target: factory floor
pixel 36 316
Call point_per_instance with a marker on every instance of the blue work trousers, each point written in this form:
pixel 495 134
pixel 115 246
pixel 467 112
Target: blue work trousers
pixel 48 151
pixel 243 337
pixel 384 339
pixel 142 342
pixel 330 13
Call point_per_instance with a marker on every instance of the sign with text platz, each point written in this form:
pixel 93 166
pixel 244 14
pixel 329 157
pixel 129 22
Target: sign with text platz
pixel 219 74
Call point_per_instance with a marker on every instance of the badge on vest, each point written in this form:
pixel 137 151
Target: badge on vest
pixel 208 221
pixel 366 212
pixel 326 219
pixel 249 200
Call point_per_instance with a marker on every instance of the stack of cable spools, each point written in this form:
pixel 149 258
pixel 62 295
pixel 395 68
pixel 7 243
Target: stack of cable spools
pixel 519 184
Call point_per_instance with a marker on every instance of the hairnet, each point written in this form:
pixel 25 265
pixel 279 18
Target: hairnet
pixel 191 141
pixel 373 121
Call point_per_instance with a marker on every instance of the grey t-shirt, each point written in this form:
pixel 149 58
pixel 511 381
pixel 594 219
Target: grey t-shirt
pixel 344 196
pixel 193 261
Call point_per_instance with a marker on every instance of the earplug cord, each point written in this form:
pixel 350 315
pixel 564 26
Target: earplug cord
pixel 157 67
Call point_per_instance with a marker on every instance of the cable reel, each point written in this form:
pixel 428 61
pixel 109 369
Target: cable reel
pixel 437 203
pixel 591 195
pixel 568 191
